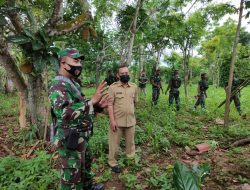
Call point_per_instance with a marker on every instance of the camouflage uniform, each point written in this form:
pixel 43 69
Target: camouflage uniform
pixel 236 98
pixel 202 96
pixel 142 84
pixel 155 90
pixel 72 113
pixel 174 94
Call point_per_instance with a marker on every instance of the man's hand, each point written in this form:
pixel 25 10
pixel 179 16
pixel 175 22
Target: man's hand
pixel 99 92
pixel 113 126
pixel 104 101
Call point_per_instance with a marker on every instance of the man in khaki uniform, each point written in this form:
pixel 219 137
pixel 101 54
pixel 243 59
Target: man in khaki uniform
pixel 123 95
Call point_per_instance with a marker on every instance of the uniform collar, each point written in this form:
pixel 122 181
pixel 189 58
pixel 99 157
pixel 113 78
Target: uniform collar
pixel 120 84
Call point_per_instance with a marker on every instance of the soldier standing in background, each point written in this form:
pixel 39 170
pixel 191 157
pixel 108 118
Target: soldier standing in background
pixel 174 84
pixel 235 98
pixel 156 86
pixel 202 94
pixel 143 82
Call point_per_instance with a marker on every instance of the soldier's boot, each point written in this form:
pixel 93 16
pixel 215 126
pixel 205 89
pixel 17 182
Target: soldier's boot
pixel 154 102
pixel 202 103
pixel 97 186
pixel 239 110
pixel 196 104
pixel 177 108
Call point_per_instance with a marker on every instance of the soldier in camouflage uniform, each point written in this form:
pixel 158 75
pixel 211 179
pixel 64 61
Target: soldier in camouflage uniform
pixel 202 94
pixel 235 98
pixel 174 84
pixel 111 78
pixel 73 122
pixel 143 82
pixel 156 86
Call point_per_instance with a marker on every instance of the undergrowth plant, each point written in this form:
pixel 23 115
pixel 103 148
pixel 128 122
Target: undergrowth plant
pixel 22 174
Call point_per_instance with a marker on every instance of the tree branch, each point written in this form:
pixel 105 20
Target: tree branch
pixel 70 26
pixel 57 15
pixel 11 69
pixel 16 22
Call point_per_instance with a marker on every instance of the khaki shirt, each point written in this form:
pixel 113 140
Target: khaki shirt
pixel 123 99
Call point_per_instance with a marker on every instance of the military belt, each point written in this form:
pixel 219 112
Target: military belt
pixel 79 129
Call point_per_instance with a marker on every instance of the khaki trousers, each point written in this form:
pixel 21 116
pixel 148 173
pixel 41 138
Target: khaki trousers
pixel 114 143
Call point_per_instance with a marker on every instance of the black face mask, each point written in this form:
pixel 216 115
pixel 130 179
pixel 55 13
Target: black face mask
pixel 124 78
pixel 73 70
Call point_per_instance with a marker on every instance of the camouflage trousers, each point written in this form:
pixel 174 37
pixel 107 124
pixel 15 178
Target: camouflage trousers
pixel 75 166
pixel 155 95
pixel 201 101
pixel 174 95
pixel 236 100
pixel 142 90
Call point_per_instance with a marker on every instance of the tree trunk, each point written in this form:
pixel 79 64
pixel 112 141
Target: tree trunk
pixel 185 69
pixel 12 72
pixel 133 31
pixel 22 110
pixel 97 74
pixel 213 76
pixel 140 59
pixel 218 78
pixel 158 58
pixel 191 75
pixel 234 53
pixel 8 86
pixel 217 72
pixel 99 61
pixel 38 102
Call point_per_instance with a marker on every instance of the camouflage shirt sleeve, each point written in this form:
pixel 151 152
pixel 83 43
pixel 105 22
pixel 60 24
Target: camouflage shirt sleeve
pixel 68 109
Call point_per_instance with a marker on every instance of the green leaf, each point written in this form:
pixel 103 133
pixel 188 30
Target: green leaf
pixel 37 45
pixel 43 35
pixel 247 4
pixel 19 39
pixel 53 49
pixel 29 33
pixel 201 171
pixel 54 62
pixel 39 63
pixel 183 178
pixel 247 15
pixel 2 20
pixel 2 2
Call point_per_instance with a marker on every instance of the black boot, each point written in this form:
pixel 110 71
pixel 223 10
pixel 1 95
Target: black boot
pixel 97 186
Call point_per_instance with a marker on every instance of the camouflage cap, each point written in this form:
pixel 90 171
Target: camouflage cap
pixel 71 52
